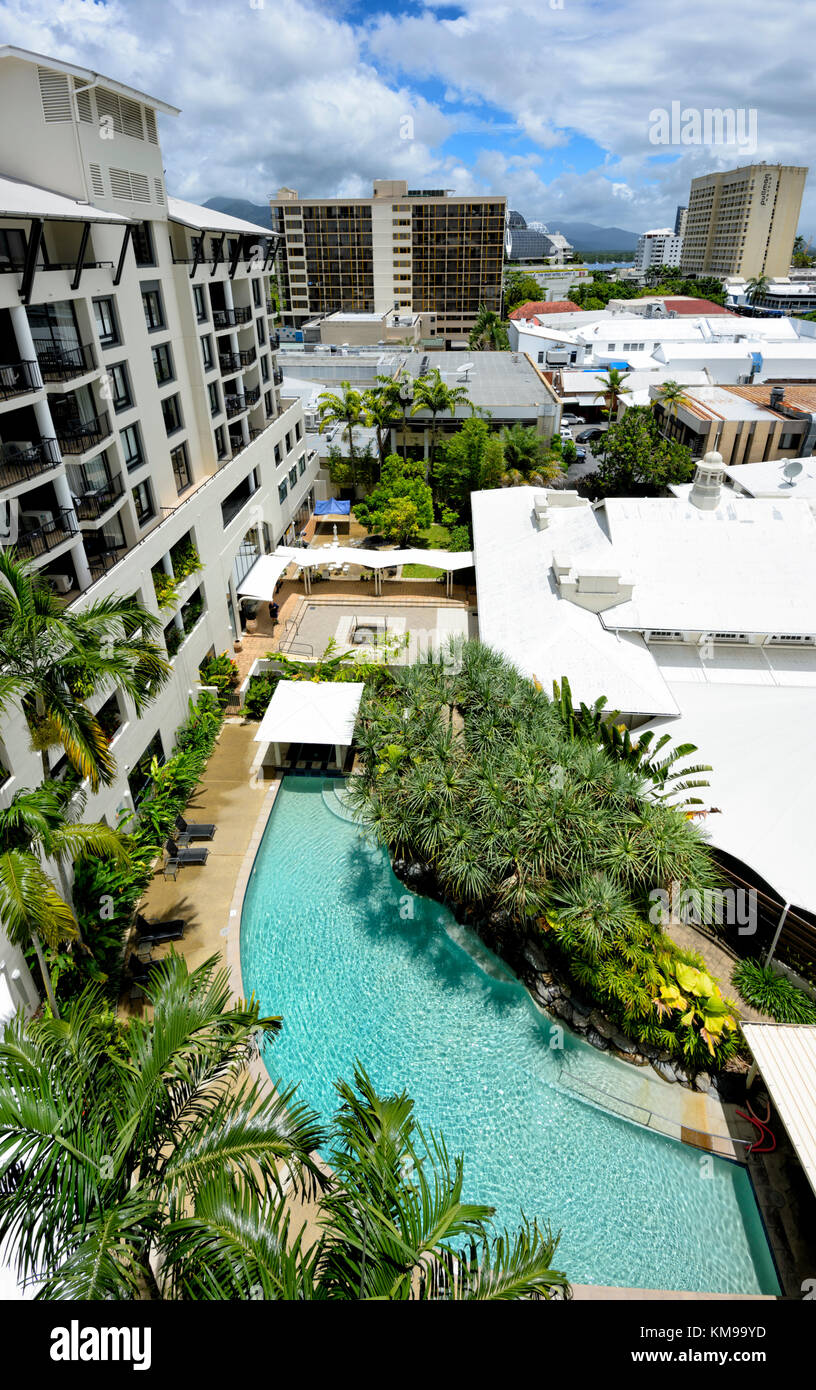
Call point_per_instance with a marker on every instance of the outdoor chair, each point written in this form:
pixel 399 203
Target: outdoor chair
pixel 194 830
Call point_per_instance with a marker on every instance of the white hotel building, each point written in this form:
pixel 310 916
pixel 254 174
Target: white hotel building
pixel 140 402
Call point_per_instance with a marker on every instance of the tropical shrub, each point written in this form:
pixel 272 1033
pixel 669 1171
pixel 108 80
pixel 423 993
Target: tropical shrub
pixel 193 1203
pixel 185 560
pixel 543 828
pixel 165 587
pixel 105 893
pixel 773 994
pixel 222 672
pixel 259 692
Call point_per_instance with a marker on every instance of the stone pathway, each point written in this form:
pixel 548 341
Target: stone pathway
pixel 720 964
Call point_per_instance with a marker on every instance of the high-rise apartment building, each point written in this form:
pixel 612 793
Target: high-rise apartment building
pixel 658 247
pixel 140 409
pixel 743 221
pixel 680 221
pixel 424 251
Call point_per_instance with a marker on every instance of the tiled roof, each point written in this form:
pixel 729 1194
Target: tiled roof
pixel 533 307
pixel 798 395
pixel 687 305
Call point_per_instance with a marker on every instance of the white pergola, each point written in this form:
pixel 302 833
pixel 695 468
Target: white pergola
pixel 785 1054
pixel 322 712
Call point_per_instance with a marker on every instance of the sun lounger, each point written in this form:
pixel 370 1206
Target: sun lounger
pixel 187 854
pixel 194 830
pixel 154 933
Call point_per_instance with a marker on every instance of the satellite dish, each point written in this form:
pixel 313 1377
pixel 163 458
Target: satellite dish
pixel 791 471
pixel 464 369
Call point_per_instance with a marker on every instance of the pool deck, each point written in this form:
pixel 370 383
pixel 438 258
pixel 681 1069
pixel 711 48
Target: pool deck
pixel 238 799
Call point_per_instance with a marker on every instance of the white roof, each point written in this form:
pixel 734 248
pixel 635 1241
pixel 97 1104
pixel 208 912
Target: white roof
pixel 312 712
pixel 522 615
pixel 768 479
pixel 210 220
pixel 19 199
pixel 8 50
pixel 786 1056
pixel 761 786
pixel 747 566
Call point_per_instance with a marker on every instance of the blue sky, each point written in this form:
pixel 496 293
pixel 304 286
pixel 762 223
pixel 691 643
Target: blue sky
pixel 550 101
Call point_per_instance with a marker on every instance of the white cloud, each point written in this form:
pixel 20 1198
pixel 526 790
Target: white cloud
pixel 314 96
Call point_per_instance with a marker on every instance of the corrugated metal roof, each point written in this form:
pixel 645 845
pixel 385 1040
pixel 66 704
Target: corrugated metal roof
pixel 25 200
pixel 786 1056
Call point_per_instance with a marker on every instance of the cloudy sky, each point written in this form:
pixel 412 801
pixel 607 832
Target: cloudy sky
pixel 553 102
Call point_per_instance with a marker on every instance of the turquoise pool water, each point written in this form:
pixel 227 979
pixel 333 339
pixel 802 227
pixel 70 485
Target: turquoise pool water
pixel 360 968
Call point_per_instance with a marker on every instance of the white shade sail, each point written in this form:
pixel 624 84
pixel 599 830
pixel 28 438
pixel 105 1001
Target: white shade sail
pixel 260 581
pixel 312 712
pixel 785 1054
pixel 377 559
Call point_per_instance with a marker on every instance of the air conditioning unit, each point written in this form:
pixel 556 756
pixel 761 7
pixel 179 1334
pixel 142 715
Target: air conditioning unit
pixel 32 519
pixel 62 583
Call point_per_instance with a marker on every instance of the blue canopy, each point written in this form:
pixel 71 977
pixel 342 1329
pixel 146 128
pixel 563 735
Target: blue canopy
pixel 332 506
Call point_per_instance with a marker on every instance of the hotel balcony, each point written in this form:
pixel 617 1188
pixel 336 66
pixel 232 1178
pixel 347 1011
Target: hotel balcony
pixel 235 405
pixel 277 376
pixel 235 361
pixel 274 341
pixel 79 437
pixel 18 379
pixel 40 540
pixel 252 395
pixel 62 364
pixel 19 462
pixel 230 318
pixel 94 504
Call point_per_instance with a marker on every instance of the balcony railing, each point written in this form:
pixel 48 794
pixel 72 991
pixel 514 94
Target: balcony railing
pixel 18 465
pixel 233 405
pixel 86 434
pixel 18 378
pixel 42 539
pixel 230 318
pixel 274 340
pixel 229 361
pixel 252 395
pixel 91 505
pixel 62 363
pixel 277 375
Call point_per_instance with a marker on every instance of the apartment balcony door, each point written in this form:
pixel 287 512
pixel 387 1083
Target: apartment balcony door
pixel 54 328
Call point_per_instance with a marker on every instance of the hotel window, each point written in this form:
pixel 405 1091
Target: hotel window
pixel 289 442
pixel 264 368
pixel 293 476
pixel 268 406
pixel 106 325
pixel 181 467
pixel 221 443
pixel 200 301
pixel 171 410
pixel 256 293
pixel 120 395
pixel 261 333
pixel 143 244
pixel 207 352
pixel 131 442
pixel 301 465
pixel 163 364
pixel 143 502
pixel 153 310
pixel 215 401
pixel 282 491
pixel 278 455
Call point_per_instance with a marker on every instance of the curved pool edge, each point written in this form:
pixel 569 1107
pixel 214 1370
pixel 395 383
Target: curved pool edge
pixel 232 931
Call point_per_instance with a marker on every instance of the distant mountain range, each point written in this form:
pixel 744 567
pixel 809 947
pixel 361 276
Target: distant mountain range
pixel 240 207
pixel 584 236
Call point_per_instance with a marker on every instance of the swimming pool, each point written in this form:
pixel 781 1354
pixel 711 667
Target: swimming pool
pixel 362 969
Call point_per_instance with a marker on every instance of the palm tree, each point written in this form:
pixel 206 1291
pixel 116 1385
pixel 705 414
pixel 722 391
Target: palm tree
pixel 52 659
pixel 613 389
pixel 757 287
pixel 488 331
pixel 431 394
pixel 34 828
pixel 345 409
pixel 142 1162
pixel 382 408
pixel 671 397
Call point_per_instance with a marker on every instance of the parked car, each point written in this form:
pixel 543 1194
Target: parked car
pixel 587 436
pixel 572 420
pixel 580 453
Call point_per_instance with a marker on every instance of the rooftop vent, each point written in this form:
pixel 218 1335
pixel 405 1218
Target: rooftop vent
pixel 708 481
pixel 777 396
